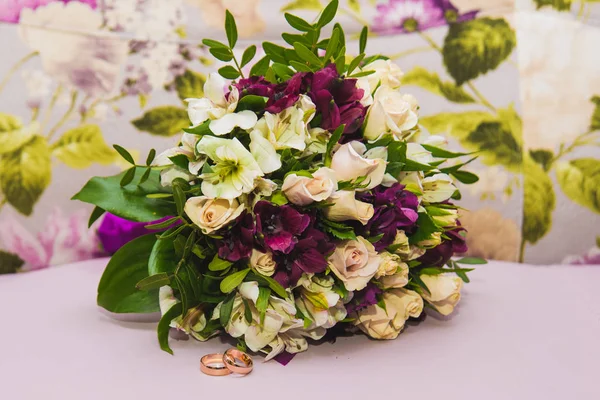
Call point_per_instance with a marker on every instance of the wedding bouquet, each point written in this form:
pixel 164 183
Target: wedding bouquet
pixel 302 197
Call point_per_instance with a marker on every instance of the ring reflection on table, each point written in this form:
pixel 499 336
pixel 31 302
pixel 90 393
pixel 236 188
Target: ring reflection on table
pixel 213 365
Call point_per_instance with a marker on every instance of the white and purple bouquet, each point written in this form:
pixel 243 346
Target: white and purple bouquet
pixel 302 197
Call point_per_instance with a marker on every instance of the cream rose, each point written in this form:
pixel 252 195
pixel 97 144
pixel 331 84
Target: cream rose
pixel 346 207
pixel 391 112
pixel 444 292
pixel 263 263
pixel 400 305
pixel 386 73
pixel 212 214
pixel 302 190
pixel 354 262
pixel 349 162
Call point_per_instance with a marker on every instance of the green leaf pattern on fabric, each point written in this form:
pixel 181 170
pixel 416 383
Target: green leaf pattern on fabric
pixel 580 181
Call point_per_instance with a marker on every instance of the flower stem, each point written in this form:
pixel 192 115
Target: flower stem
pixel 65 117
pixel 522 251
pixel 51 105
pixel 15 67
pixel 410 51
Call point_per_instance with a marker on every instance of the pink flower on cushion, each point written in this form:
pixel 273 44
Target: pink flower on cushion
pixel 62 240
pixel 10 10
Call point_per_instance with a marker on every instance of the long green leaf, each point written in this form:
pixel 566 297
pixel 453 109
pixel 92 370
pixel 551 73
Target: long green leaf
pixel 297 23
pixel 225 311
pixel 218 264
pixel 230 29
pixel 164 327
pixel 307 55
pixel 328 14
pixel 96 213
pixel 233 281
pixel 335 137
pixel 153 282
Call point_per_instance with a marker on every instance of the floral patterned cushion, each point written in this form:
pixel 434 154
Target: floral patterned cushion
pixel 514 80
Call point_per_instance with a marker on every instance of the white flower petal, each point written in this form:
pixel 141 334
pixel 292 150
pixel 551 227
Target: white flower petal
pixel 264 153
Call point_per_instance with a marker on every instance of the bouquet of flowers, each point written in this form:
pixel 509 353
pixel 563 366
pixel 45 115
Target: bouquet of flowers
pixel 302 197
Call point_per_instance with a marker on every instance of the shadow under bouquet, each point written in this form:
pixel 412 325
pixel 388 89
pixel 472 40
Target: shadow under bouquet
pixel 302 197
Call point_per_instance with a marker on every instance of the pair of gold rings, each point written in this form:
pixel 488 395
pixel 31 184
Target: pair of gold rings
pixel 233 360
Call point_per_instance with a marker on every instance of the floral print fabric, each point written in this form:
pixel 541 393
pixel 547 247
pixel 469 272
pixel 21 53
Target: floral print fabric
pixel 514 80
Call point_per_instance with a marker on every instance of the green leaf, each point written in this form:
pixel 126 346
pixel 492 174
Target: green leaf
pixel 163 121
pixel 251 102
pixel 274 52
pixel 153 282
pixel 162 257
pixel 426 226
pixel 328 13
pixel 124 153
pixel 471 261
pixel 9 263
pixel 25 174
pixel 150 158
pixel 473 48
pixel 340 61
pixel 164 224
pixel 190 85
pixel 580 181
pixel 214 43
pixel 248 55
pixel 164 326
pixel 261 67
pixel 364 34
pixel 229 72
pixel 275 286
pixel 465 177
pixel 226 308
pixel 218 264
pixel 355 62
pixel 128 177
pixel 146 175
pixel 282 71
pixel 128 266
pixel 180 199
pixel 297 23
pixel 262 303
pixel 233 281
pixel 335 137
pixel 13 135
pixel 97 212
pixel 307 55
pixel 200 130
pixel 303 5
pixel 595 123
pixel 230 29
pixel 539 202
pixel 130 202
pixel 431 81
pixel 279 198
pixel 300 67
pixel 560 5
pixel 543 157
pixel 221 54
pixel 442 153
pixel 332 45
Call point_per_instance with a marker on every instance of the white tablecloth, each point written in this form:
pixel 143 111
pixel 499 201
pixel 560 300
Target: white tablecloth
pixel 521 332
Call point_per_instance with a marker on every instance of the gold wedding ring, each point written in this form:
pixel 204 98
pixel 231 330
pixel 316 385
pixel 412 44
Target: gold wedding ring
pixel 214 365
pixel 237 361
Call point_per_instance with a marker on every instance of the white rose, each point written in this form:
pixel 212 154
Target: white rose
pixel 444 292
pixel 262 262
pixel 354 262
pixel 391 112
pixel 437 188
pixel 349 163
pixel 219 109
pixel 346 207
pixel 389 264
pixel 212 214
pixel 392 272
pixel 400 305
pixel 302 190
pixel 387 73
pixel 87 62
pixel 367 99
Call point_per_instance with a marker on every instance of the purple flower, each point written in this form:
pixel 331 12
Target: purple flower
pixel 440 255
pixel 405 16
pixel 395 208
pixel 308 256
pixel 115 232
pixel 337 100
pixel 279 226
pixel 286 94
pixel 255 85
pixel 238 241
pixel 363 299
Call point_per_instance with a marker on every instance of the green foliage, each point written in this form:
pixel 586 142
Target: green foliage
pixel 190 85
pixel 595 123
pixel 337 229
pixel 163 121
pixel 560 5
pixel 475 47
pixel 335 137
pixel 230 29
pixel 426 227
pixel 431 82
pixel 226 308
pixel 82 146
pixel 128 266
pixel 164 326
pixel 162 257
pixel 229 72
pixel 218 264
pixel 9 263
pixel 25 173
pixel 542 157
pixel 153 282
pixel 539 202
pixel 130 202
pixel 248 55
pixel 233 280
pixel 580 181
pixel 12 133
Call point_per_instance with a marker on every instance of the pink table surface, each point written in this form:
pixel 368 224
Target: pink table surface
pixel 521 332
